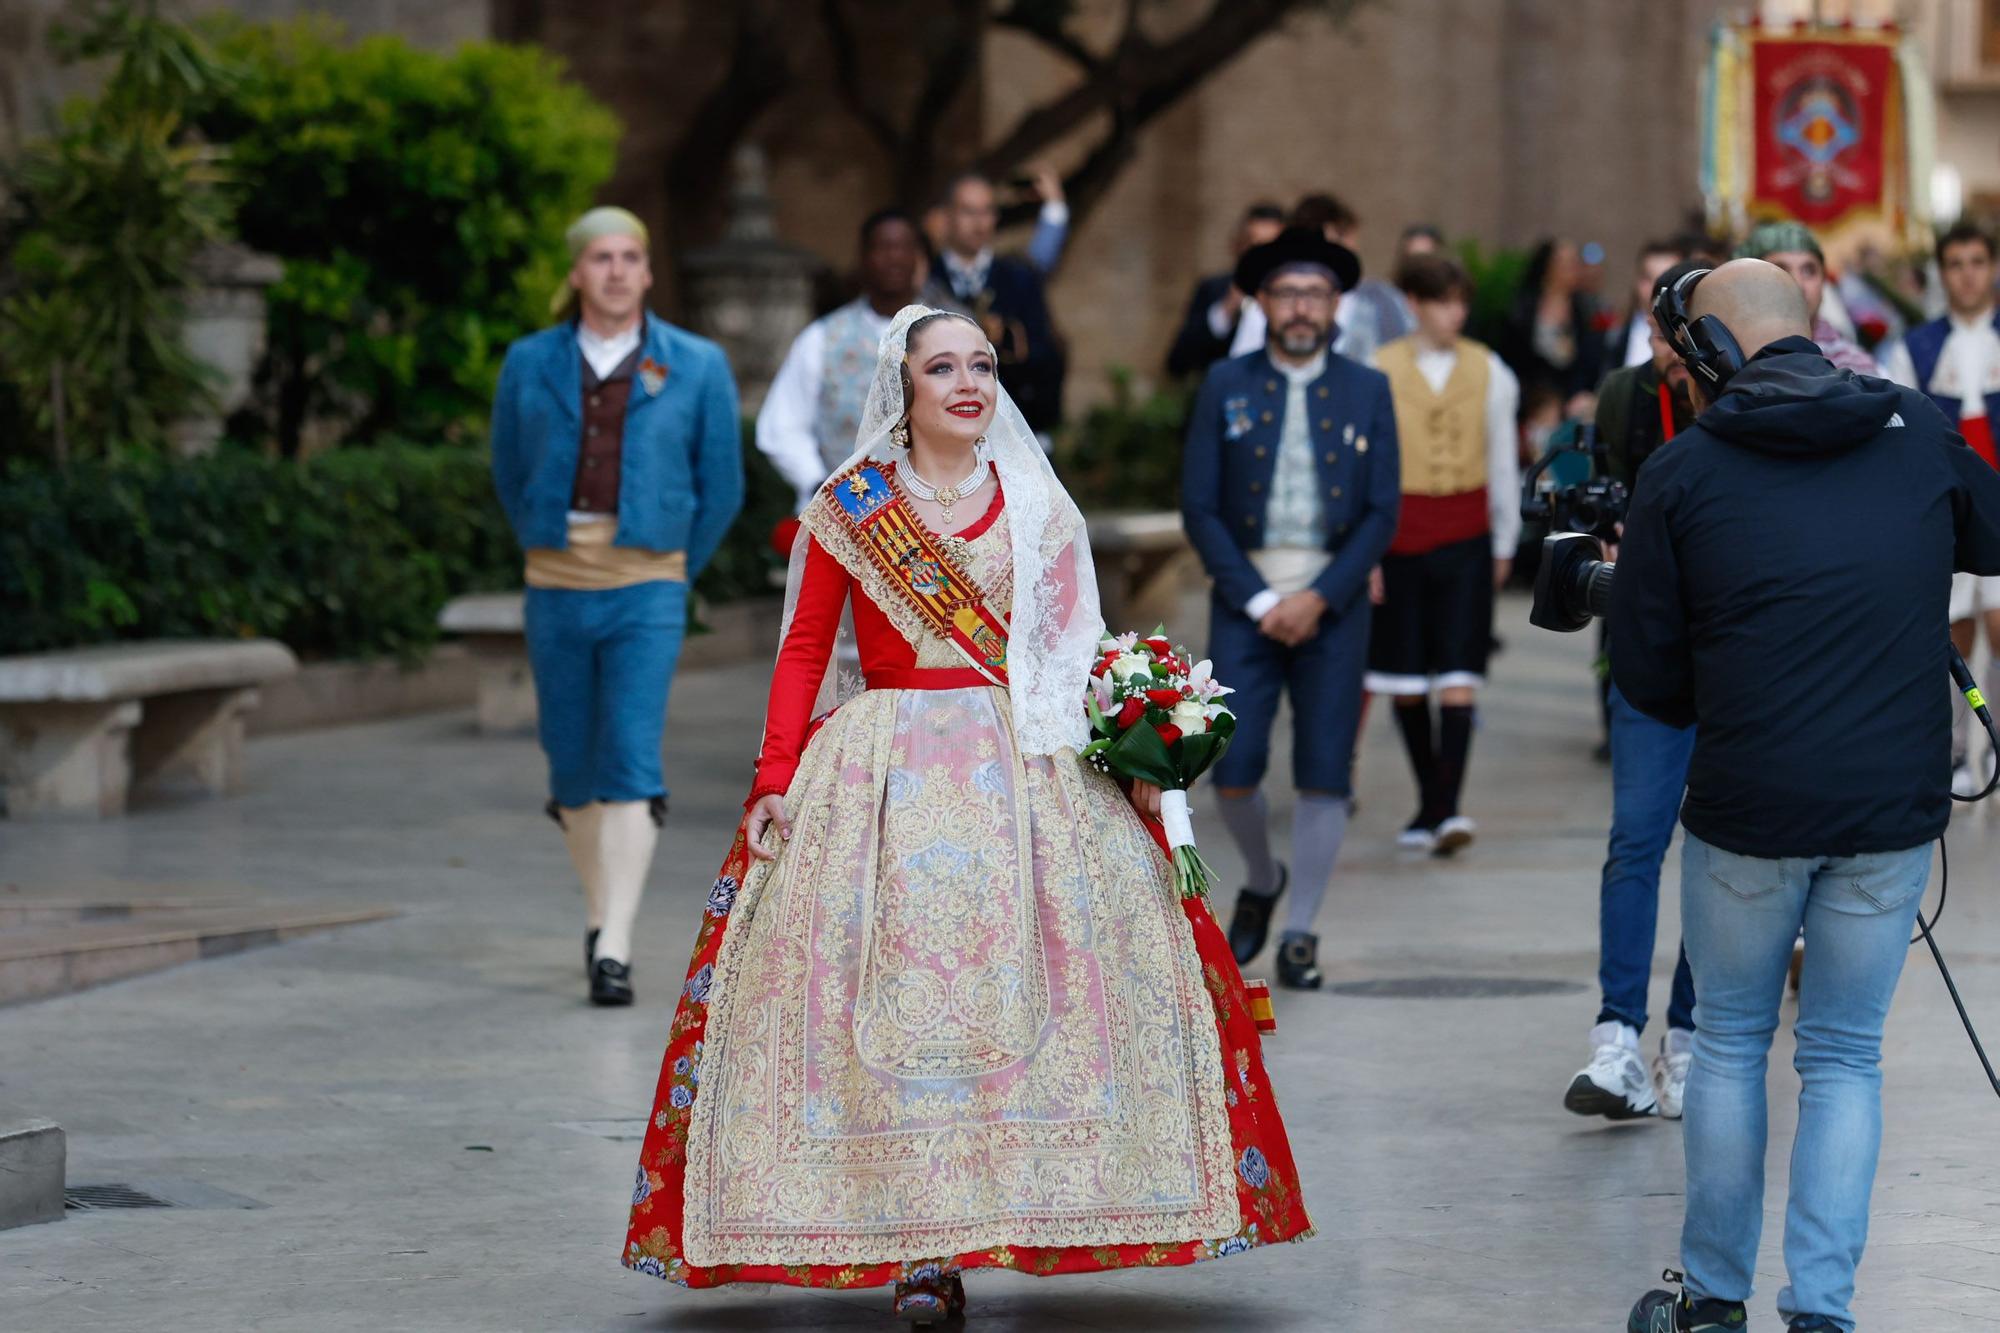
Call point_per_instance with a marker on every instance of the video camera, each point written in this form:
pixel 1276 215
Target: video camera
pixel 1573 583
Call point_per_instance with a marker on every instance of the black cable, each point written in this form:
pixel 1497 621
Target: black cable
pixel 1962 676
pixel 1924 932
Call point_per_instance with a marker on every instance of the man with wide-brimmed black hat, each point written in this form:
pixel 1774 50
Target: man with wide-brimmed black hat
pixel 1289 492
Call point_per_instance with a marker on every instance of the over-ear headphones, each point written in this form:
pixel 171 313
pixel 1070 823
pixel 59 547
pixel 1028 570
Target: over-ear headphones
pixel 1705 346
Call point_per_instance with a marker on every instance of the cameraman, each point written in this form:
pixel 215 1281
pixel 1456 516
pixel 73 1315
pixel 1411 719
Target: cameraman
pixel 1783 582
pixel 1639 409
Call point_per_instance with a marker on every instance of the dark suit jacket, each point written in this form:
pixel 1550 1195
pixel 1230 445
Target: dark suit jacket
pixel 1232 453
pixel 1196 347
pixel 1032 361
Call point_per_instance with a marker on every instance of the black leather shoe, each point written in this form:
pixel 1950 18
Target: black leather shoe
pixel 610 982
pixel 1298 963
pixel 589 950
pixel 1251 924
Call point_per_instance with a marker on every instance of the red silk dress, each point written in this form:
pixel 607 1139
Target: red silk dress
pixel 963 1020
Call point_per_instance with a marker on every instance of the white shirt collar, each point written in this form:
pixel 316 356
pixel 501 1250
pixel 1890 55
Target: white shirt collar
pixel 1983 320
pixel 1305 374
pixel 603 353
pixel 968 276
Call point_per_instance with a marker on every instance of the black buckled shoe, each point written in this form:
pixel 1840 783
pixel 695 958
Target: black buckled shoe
pixel 1298 962
pixel 1250 926
pixel 610 982
pixel 1664 1312
pixel 589 950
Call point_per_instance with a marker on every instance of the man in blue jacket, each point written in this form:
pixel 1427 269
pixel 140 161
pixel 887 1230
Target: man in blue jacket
pixel 617 453
pixel 1289 493
pixel 1783 582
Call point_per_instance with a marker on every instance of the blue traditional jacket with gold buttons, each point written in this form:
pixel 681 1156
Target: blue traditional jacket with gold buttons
pixel 1232 452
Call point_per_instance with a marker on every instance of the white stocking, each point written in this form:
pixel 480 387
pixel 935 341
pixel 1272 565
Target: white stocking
pixel 581 830
pixel 627 838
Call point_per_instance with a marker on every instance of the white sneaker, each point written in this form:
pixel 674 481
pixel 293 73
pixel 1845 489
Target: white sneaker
pixel 1670 1071
pixel 1614 1084
pixel 1417 838
pixel 1454 835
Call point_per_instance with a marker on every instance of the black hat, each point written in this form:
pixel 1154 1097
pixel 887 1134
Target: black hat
pixel 1298 245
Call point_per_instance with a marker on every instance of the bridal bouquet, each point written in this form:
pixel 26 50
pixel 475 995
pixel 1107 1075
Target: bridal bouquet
pixel 1157 715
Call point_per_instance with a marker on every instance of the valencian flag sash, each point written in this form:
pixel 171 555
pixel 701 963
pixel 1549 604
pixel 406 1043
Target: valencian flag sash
pixel 916 566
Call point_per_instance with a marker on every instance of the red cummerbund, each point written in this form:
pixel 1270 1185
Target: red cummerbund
pixel 1431 521
pixel 926 678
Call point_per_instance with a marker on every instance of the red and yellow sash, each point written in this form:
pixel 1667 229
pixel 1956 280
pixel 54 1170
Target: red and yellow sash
pixel 916 566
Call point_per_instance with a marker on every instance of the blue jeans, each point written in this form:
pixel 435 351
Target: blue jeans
pixel 1740 915
pixel 602 663
pixel 1649 767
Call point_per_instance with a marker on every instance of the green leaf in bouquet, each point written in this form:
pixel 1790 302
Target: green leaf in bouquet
pixel 1197 752
pixel 1140 753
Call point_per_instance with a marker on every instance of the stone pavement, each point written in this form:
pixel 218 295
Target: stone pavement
pixel 438 1134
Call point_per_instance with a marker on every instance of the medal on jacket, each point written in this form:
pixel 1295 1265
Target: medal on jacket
pixel 653 376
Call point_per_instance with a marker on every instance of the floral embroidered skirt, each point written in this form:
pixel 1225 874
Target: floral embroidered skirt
pixel 963 1020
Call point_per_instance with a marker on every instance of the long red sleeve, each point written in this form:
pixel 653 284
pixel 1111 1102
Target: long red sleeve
pixel 802 662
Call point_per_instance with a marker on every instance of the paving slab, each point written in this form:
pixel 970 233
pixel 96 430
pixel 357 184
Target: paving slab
pixel 436 1130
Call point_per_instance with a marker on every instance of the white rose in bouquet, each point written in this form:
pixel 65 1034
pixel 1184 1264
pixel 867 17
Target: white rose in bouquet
pixel 1132 664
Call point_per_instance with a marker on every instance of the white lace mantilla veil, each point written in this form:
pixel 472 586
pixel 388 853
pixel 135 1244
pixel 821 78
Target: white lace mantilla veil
pixel 1055 624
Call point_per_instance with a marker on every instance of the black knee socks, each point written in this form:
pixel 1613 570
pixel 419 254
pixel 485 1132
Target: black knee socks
pixel 1454 744
pixel 1413 719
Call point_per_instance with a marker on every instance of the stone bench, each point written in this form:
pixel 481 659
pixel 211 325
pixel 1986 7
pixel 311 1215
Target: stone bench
pixel 1145 567
pixel 81 729
pixel 492 625
pixel 33 1159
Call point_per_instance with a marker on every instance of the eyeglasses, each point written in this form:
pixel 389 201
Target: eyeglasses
pixel 1305 296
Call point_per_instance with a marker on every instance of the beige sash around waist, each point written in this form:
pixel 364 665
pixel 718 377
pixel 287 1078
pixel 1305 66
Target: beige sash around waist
pixel 1289 569
pixel 592 564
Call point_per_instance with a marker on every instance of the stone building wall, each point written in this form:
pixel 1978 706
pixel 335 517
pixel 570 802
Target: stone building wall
pixel 1503 120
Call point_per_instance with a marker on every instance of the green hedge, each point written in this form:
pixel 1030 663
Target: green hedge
pixel 350 554
pixel 418 199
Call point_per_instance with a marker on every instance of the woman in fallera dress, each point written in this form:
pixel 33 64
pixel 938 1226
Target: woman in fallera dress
pixel 946 1009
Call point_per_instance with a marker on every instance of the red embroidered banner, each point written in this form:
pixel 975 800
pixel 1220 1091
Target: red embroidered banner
pixel 1823 116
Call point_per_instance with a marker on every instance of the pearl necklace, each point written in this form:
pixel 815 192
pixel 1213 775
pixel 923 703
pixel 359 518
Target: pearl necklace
pixel 947 496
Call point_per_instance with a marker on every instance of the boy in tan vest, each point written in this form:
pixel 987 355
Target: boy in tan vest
pixel 1454 542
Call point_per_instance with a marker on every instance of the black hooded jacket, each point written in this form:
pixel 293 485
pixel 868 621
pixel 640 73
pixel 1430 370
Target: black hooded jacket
pixel 1783 584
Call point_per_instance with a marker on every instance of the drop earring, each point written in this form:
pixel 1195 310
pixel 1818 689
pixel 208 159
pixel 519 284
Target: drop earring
pixel 899 434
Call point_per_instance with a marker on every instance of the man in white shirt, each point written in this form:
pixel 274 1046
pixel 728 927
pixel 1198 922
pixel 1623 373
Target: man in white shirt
pixel 812 412
pixel 1632 344
pixel 1454 545
pixel 1955 359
